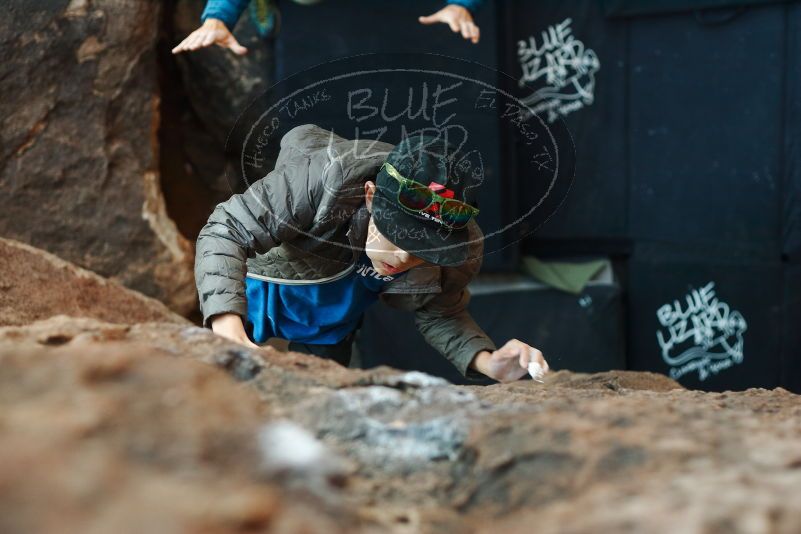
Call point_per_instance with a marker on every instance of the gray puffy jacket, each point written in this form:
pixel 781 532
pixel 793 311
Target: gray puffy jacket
pixel 306 223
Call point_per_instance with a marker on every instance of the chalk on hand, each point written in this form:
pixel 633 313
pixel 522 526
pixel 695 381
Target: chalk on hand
pixel 536 371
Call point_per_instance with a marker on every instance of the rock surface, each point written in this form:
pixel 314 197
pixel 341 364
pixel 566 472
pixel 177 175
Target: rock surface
pixel 218 87
pixel 36 285
pixel 78 148
pixel 138 416
pixel 121 437
pixel 203 94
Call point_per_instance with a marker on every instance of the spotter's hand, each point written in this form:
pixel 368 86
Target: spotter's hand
pixel 213 31
pixel 508 363
pixel 458 18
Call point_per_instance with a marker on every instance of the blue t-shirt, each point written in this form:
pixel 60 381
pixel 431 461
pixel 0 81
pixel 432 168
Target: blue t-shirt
pixel 321 314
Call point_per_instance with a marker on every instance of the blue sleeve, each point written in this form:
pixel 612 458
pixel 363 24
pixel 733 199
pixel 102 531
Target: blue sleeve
pixel 227 11
pixel 470 5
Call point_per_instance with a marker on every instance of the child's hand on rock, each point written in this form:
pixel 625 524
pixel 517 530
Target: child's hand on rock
pixel 229 325
pixel 508 363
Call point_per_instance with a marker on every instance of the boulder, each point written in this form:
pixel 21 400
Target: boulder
pixel 123 437
pixel 79 157
pixel 291 437
pixel 203 94
pixel 36 285
pixel 216 86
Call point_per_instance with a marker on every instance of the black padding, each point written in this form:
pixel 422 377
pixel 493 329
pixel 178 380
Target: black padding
pixel 712 324
pixel 706 107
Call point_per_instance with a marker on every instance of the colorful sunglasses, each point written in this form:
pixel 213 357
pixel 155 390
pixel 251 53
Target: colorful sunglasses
pixel 417 198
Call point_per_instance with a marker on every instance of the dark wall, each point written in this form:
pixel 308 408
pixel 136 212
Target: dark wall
pixel 688 171
pixel 686 120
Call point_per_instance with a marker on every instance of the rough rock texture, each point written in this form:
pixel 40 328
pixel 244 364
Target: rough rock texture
pixel 78 144
pixel 129 407
pixel 125 438
pixel 36 285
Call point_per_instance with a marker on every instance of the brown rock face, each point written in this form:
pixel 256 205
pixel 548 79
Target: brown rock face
pixel 78 155
pixel 126 419
pixel 36 285
pixel 125 438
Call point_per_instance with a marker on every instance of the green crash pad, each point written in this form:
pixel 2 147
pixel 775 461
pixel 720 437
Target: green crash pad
pixel 571 277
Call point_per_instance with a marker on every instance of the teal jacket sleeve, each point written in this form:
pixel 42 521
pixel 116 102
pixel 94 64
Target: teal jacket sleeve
pixel 470 5
pixel 227 11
